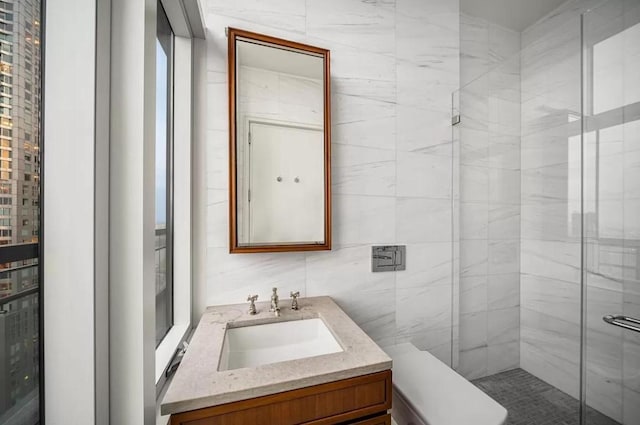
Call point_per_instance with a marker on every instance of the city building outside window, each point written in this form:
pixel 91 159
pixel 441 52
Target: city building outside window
pixel 20 306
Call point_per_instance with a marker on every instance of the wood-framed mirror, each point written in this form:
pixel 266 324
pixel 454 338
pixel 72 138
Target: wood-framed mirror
pixel 279 145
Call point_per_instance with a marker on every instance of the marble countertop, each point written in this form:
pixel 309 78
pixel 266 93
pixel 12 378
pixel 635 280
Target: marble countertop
pixel 198 383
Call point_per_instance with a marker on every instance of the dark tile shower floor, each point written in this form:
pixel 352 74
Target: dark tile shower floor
pixel 531 401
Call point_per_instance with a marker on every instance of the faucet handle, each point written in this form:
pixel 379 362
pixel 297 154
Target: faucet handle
pixel 252 306
pixel 294 300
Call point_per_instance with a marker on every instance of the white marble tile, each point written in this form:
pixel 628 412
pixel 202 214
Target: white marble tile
pixel 423 308
pixel 550 183
pixel 504 81
pixel 473 330
pixel 549 221
pixel 362 121
pixel 474 147
pixel 345 268
pixel 474 184
pixel 231 277
pixel 441 54
pixel 503 326
pixel 474 220
pixel 504 152
pixel 474 104
pixel 504 256
pixel 218 108
pixel 217 221
pixel 363 171
pixel 447 12
pixel 630 405
pixel 604 393
pixel 423 175
pixel 504 221
pixel 553 298
pixel 366 25
pixel 373 311
pixel 217 167
pixel 363 219
pixel 423 129
pixel 474 258
pixel 428 264
pixel 383 90
pixel 473 363
pixel 504 43
pixel 550 350
pixel 282 14
pixel 423 220
pixel 424 86
pixel 503 291
pixel 504 116
pixel 504 186
pixel 348 62
pixel 503 357
pixel 631 364
pixel 435 341
pixel 474 48
pixel 473 294
pixel 552 259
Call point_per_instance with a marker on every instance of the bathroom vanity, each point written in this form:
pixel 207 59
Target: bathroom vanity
pixel 310 366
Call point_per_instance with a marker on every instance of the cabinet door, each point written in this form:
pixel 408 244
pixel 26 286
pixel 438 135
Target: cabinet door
pixel 337 402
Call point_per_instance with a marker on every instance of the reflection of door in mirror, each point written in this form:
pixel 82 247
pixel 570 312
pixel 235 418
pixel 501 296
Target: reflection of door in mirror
pixel 286 203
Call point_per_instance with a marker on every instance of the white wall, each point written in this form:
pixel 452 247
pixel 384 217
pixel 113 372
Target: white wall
pixel 394 65
pixel 489 135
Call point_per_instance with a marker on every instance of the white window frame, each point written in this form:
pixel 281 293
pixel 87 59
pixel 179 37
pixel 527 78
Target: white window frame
pixel 181 18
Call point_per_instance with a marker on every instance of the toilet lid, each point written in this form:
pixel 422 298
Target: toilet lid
pixel 438 394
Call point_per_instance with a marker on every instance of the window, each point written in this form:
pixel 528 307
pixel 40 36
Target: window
pixel 173 182
pixel 612 87
pixel 164 177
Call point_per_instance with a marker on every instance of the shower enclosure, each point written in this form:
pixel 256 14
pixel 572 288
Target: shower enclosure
pixel 547 198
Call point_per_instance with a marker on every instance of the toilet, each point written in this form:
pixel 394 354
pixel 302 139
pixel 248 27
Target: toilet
pixel 428 392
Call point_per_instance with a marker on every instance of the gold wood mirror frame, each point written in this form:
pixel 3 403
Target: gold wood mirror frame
pixel 299 204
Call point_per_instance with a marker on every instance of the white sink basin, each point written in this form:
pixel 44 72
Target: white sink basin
pixel 257 345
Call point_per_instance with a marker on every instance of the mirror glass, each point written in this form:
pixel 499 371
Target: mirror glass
pixel 281 147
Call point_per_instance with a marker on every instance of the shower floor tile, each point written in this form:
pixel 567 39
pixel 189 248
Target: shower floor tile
pixel 531 401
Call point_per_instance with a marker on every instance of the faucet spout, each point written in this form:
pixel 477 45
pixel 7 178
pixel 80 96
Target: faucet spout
pixel 274 303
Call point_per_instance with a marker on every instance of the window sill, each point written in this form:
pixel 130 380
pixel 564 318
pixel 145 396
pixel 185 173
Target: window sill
pixel 166 349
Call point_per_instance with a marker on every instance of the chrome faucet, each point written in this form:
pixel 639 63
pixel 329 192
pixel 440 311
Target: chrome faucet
pixel 294 300
pixel 274 303
pixel 252 304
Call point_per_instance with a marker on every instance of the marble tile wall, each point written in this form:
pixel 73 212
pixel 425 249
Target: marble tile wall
pixel 489 210
pixel 550 226
pixel 394 64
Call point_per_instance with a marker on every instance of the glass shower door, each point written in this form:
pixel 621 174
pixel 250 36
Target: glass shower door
pixel 611 212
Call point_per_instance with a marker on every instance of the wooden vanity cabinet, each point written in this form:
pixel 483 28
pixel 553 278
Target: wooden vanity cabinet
pixel 363 400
